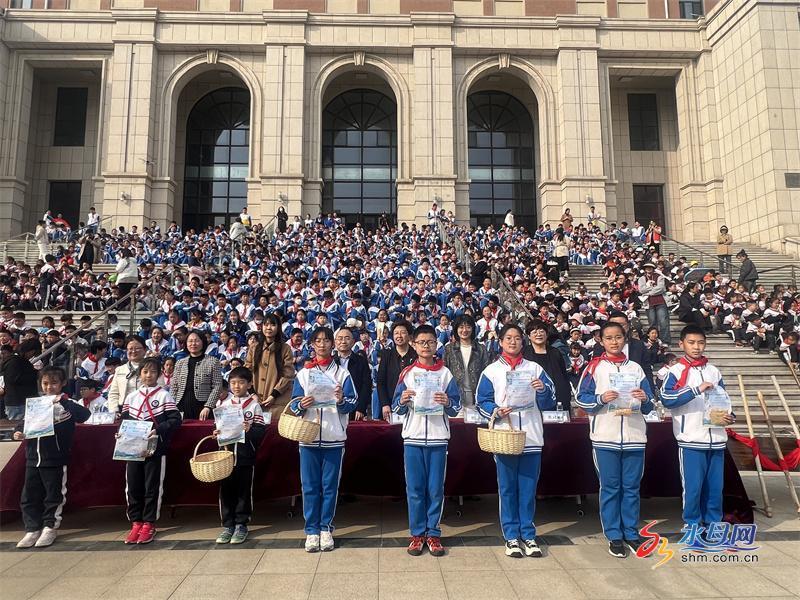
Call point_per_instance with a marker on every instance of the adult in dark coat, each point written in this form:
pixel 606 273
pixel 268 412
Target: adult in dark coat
pixel 392 362
pixel 635 349
pixel 690 309
pixel 549 358
pixel 358 367
pixel 19 377
pixel 748 274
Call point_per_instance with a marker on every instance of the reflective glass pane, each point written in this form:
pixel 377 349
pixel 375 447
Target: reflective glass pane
pixel 503 174
pixel 239 172
pixel 377 190
pixel 373 173
pixel 235 205
pixel 219 204
pixel 479 206
pixel 239 137
pixel 222 154
pixel 237 189
pixel 220 188
pixel 348 172
pixel 239 155
pixel 347 156
pixel 480 173
pixel 346 190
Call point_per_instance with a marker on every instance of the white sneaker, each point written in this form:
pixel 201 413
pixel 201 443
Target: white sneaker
pixel 531 548
pixel 29 539
pixel 513 550
pixel 326 541
pixel 312 543
pixel 47 538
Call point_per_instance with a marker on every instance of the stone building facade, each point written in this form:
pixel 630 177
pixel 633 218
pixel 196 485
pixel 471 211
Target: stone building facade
pixel 191 109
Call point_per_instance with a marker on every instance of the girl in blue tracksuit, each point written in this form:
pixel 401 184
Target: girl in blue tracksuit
pixel 321 460
pixel 618 439
pixel 425 440
pixel 517 476
pixel 701 449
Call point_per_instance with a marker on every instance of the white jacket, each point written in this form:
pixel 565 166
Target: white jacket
pixel 127 271
pixel 491 394
pixel 421 429
pixel 333 420
pixel 122 384
pixel 687 406
pixel 608 430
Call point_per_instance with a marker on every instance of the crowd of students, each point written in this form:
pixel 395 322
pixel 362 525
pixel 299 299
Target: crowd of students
pixel 373 310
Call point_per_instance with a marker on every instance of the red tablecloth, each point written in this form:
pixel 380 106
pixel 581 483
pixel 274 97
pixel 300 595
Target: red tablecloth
pixel 373 465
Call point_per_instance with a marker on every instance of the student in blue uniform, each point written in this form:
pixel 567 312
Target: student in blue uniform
pixel 619 436
pixel 425 439
pixel 517 475
pixel 701 449
pixel 321 460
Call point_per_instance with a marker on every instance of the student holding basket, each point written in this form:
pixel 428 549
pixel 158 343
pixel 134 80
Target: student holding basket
pixel 517 390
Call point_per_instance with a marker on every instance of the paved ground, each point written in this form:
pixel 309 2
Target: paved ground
pixel 89 559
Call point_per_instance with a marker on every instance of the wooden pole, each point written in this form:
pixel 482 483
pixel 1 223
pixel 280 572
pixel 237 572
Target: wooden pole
pixel 789 482
pixel 762 483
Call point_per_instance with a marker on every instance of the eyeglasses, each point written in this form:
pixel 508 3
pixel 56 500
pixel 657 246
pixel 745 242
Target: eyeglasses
pixel 426 343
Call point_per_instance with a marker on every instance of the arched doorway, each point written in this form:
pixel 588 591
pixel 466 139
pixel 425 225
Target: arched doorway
pixel 501 147
pixel 217 151
pixel 359 156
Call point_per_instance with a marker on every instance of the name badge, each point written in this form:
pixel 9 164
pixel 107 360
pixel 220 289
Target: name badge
pixel 555 416
pixel 652 417
pixel 473 416
pixel 267 417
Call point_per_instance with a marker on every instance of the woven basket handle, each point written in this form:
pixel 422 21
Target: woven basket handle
pixel 314 420
pixel 196 448
pixel 495 416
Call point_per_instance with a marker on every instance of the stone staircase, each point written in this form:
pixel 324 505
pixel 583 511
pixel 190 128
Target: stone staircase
pixel 764 260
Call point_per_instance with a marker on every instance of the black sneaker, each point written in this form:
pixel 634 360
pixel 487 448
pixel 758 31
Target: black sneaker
pixel 635 544
pixel 617 549
pixel 513 550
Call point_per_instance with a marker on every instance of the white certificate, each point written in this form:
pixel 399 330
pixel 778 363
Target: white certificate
pixel 624 384
pixel 229 421
pixel 322 388
pixel 427 384
pixel 39 417
pixel 717 405
pixel 132 443
pixel 520 395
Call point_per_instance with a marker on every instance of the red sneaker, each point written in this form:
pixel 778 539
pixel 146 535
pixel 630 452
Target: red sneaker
pixel 435 546
pixel 147 534
pixel 133 534
pixel 415 545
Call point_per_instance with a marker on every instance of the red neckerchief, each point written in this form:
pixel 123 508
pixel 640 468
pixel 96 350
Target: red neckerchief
pixel 687 365
pixel 437 364
pixel 592 366
pixel 243 402
pixel 146 401
pixel 88 401
pixel 318 362
pixel 513 361
pixel 95 360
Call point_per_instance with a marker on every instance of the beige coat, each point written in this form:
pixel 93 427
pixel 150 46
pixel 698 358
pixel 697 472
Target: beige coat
pixel 268 381
pixel 724 244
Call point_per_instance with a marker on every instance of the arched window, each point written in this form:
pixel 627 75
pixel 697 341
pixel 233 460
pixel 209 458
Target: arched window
pixel 359 156
pixel 501 161
pixel 217 158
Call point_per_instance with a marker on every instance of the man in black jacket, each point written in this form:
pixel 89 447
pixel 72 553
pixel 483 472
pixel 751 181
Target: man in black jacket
pixel 392 362
pixel 20 378
pixel 634 349
pixel 357 366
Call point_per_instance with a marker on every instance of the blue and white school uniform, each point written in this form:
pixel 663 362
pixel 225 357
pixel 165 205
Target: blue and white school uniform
pixel 425 439
pixel 701 449
pixel 618 444
pixel 321 460
pixel 517 476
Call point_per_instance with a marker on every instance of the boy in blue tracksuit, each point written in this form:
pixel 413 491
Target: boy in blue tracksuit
pixel 321 460
pixel 619 436
pixel 425 438
pixel 701 448
pixel 517 475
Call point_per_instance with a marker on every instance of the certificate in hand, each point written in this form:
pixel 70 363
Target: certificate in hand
pixel 39 417
pixel 717 406
pixel 229 421
pixel 132 443
pixel 520 395
pixel 624 384
pixel 322 388
pixel 426 385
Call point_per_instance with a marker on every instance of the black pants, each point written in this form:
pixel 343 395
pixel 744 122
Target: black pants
pixel 46 295
pixel 144 487
pixel 124 289
pixel 758 342
pixel 43 497
pixel 236 497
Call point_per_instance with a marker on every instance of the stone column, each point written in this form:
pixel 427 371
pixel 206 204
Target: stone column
pixel 282 151
pixel 128 193
pixel 432 112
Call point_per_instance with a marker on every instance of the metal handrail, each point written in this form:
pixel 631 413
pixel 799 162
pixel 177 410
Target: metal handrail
pixel 506 292
pixel 131 296
pixel 269 229
pixel 790 266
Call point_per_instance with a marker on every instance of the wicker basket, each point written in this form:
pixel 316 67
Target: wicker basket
pixel 500 441
pixel 211 466
pixel 297 428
